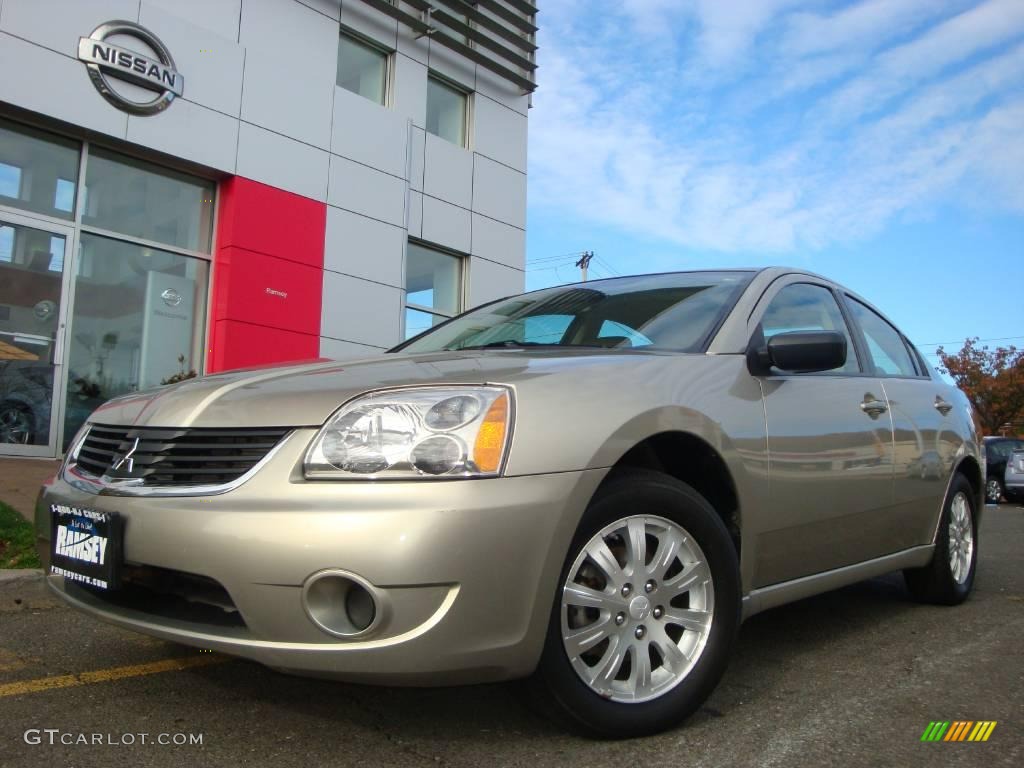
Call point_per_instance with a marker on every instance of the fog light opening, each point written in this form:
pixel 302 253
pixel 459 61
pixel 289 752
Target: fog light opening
pixel 340 603
pixel 360 608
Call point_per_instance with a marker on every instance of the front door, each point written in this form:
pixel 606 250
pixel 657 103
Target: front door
pixel 32 289
pixel 829 450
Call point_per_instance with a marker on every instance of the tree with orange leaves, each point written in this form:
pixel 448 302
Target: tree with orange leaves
pixel 993 380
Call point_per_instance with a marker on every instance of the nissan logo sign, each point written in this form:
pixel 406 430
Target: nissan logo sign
pixel 171 297
pixel 106 60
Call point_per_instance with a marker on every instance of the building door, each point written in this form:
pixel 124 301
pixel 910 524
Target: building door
pixel 32 290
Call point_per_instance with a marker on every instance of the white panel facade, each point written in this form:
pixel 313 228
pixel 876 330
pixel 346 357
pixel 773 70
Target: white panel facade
pixel 499 242
pixel 362 189
pixel 446 225
pixel 409 95
pixel 163 132
pixel 489 281
pixel 362 247
pixel 214 62
pixel 373 25
pixel 290 69
pixel 369 133
pixel 335 349
pixel 448 172
pixel 499 192
pixel 57 24
pixel 282 162
pixel 500 133
pixel 360 311
pixel 64 96
pixel 220 17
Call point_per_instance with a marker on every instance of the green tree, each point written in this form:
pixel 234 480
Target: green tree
pixel 993 380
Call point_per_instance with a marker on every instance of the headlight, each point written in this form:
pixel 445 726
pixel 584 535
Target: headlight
pixel 422 432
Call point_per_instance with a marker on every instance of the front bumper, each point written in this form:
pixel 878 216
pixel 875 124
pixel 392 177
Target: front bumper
pixel 467 569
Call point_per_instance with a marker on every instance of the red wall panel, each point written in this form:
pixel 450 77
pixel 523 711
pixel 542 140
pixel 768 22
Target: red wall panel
pixel 268 220
pixel 244 345
pixel 266 291
pixel 267 276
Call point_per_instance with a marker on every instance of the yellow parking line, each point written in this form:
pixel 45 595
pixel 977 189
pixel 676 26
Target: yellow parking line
pixel 107 675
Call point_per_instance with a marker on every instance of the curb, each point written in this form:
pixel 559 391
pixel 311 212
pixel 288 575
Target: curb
pixel 7 575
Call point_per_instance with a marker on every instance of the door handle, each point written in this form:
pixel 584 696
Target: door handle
pixel 873 408
pixel 942 406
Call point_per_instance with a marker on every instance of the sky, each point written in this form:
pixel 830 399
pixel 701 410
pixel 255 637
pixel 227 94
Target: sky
pixel 877 142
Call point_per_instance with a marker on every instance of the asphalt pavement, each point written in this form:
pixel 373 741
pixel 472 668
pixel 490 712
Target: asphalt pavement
pixel 850 678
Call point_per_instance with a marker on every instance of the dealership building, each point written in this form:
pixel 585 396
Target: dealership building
pixel 201 185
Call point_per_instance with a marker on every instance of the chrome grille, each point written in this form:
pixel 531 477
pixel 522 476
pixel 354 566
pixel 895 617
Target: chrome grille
pixel 174 457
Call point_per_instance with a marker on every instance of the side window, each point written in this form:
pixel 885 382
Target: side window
pixel 889 353
pixel 807 307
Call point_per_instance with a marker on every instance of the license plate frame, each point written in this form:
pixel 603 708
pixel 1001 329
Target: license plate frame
pixel 86 546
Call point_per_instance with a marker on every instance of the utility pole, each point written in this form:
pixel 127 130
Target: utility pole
pixel 584 262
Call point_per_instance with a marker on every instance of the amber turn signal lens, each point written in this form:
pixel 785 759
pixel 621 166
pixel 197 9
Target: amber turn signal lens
pixel 490 440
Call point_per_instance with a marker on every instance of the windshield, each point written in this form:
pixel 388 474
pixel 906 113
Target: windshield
pixel 671 312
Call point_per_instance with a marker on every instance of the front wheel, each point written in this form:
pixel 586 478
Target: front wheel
pixel 949 577
pixel 993 491
pixel 646 612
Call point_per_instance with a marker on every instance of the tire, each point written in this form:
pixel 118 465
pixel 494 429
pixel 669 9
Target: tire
pixel 685 541
pixel 993 490
pixel 947 580
pixel 16 423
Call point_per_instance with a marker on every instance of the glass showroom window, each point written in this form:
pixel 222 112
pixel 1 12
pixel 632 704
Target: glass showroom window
pixel 433 288
pixel 137 322
pixel 38 171
pixel 138 199
pixel 362 68
pixel 447 108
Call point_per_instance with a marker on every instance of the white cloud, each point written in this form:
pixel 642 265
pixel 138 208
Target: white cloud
pixel 619 137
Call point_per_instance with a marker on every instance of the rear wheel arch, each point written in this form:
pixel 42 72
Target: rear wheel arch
pixel 971 469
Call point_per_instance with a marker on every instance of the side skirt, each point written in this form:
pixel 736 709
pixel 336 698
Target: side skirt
pixel 789 591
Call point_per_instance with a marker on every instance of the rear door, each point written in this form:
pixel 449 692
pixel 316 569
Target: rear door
pixel 829 445
pixel 926 438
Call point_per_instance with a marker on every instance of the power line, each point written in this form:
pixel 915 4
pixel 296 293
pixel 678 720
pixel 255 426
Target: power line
pixel 573 255
pixel 607 267
pixel 960 341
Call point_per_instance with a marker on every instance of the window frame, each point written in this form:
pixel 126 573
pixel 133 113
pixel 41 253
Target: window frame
pixel 857 342
pixel 920 370
pixel 467 119
pixel 463 263
pixel 389 64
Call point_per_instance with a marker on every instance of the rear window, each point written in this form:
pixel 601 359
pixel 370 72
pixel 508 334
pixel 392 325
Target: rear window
pixel 1001 449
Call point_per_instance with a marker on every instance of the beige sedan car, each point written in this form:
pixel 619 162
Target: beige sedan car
pixel 591 485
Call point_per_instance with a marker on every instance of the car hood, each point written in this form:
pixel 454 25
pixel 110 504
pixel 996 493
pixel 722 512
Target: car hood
pixel 307 394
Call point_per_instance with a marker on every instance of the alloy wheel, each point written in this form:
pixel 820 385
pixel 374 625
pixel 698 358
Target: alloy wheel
pixel 961 538
pixel 15 425
pixel 994 490
pixel 637 608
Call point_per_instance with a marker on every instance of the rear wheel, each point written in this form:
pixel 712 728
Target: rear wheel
pixel 646 612
pixel 949 577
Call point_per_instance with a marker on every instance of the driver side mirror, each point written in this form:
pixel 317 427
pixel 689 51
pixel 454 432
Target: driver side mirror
pixel 797 352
